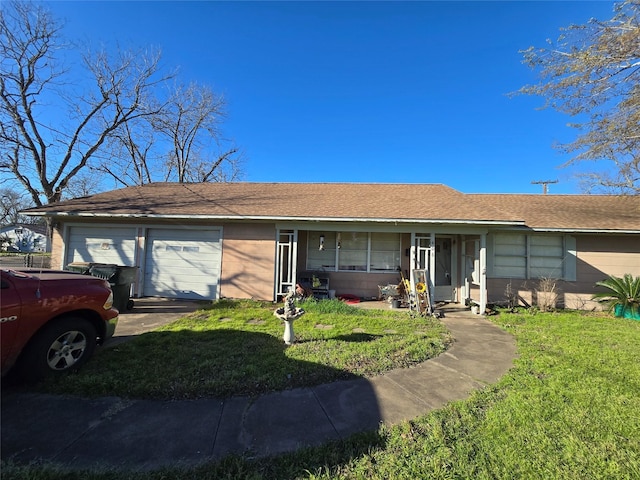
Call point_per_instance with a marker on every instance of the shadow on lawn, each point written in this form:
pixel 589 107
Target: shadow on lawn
pixel 358 337
pixel 213 363
pixel 133 432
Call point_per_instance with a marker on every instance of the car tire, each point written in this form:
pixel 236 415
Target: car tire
pixel 62 346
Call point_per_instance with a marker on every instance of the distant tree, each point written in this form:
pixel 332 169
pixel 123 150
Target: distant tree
pixel 225 167
pixel 181 143
pixel 85 183
pixel 132 160
pixel 191 118
pixel 592 72
pixel 11 204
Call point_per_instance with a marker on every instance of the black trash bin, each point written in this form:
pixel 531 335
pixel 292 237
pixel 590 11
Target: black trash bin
pixel 121 287
pixel 79 267
pixel 119 277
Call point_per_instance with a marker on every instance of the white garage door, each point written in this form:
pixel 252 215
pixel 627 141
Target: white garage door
pixel 114 245
pixel 182 263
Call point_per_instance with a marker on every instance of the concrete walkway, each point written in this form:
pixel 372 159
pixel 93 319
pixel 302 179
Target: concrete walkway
pixel 144 434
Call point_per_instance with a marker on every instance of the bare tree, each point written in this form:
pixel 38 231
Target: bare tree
pixel 85 183
pixel 42 154
pixel 11 204
pixel 132 160
pixel 190 123
pixel 180 143
pixel 592 73
pixel 227 167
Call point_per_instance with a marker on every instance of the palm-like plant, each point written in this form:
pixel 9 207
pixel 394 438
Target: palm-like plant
pixel 624 292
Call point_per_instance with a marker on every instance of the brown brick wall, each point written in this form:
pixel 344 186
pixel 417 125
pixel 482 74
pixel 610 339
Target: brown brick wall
pixel 248 261
pixel 56 248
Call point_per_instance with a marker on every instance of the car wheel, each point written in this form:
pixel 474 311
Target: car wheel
pixel 63 346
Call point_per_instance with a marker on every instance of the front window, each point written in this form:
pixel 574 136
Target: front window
pixel 510 256
pixel 321 251
pixel 546 256
pixel 353 251
pixel 528 256
pixel 385 252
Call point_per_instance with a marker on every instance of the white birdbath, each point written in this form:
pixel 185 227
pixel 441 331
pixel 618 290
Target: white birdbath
pixel 288 314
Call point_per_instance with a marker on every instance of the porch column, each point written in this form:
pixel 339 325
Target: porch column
pixel 432 266
pixel 483 273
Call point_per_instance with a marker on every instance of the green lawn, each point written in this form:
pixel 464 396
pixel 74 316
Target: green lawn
pixel 236 348
pixel 569 409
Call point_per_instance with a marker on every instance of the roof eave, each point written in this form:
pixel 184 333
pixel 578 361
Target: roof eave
pixel 283 218
pixel 280 218
pixel 583 230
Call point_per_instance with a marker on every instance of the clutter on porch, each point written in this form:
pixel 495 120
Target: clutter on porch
pixel 403 295
pixel 315 286
pixel 350 299
pixel 423 301
pixel 393 294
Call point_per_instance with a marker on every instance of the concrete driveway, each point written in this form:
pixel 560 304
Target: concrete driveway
pixel 150 313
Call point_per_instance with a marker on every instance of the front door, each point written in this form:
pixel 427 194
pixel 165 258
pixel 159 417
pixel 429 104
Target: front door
pixel 444 291
pixel 435 255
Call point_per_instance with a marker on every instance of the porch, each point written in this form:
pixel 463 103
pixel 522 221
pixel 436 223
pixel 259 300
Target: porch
pixel 355 263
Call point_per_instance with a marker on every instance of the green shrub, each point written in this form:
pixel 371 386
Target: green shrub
pixel 622 294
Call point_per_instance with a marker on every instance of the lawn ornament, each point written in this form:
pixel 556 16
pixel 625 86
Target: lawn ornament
pixel 288 314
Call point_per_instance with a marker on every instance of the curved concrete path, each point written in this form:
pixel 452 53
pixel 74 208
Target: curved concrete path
pixel 144 434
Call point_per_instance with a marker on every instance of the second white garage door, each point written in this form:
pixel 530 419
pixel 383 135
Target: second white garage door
pixel 183 263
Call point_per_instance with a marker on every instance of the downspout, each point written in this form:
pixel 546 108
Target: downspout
pixel 483 273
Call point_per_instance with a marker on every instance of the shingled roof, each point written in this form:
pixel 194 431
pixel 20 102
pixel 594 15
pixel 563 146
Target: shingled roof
pixel 423 203
pixel 569 212
pixel 243 200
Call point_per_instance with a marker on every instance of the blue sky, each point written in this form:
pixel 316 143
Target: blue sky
pixel 385 92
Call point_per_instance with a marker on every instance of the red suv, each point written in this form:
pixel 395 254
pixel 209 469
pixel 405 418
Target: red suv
pixel 51 321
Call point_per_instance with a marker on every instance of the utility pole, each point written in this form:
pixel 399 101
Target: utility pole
pixel 544 184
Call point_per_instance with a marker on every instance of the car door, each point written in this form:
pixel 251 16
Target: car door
pixel 10 310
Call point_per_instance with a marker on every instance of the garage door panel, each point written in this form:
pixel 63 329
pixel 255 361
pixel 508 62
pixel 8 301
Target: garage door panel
pixel 102 245
pixel 183 263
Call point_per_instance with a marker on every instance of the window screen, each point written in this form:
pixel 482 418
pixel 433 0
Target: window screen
pixel 385 252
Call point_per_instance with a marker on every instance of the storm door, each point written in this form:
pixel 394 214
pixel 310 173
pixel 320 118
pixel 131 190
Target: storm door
pixel 286 254
pixel 435 255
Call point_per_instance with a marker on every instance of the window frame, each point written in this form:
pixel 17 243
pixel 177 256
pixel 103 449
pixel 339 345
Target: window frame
pixel 336 246
pixel 531 258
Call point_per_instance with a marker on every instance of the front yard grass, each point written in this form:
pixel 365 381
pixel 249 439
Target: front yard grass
pixel 236 348
pixel 568 410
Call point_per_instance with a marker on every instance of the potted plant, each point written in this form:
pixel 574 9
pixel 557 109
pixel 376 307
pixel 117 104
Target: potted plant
pixel 622 296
